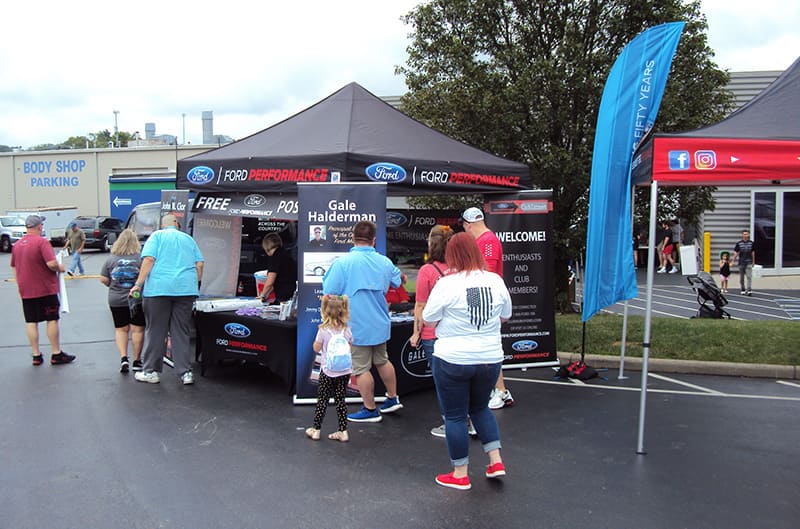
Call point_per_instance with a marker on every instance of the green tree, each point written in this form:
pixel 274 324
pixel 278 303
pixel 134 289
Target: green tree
pixel 524 79
pixel 101 139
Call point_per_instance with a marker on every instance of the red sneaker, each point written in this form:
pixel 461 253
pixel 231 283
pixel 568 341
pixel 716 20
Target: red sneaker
pixel 448 480
pixel 495 471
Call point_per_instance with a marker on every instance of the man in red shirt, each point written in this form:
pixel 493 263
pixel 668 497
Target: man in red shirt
pixel 492 250
pixel 36 269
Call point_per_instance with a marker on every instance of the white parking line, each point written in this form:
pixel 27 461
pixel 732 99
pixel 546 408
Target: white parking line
pixel 785 383
pixel 665 391
pixel 682 383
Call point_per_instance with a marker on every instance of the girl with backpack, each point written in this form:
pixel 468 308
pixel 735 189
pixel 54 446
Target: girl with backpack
pixel 333 342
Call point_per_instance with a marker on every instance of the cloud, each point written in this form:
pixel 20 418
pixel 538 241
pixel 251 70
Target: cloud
pixel 65 67
pixel 753 36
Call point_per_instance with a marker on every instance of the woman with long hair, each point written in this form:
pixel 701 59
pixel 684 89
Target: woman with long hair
pixel 429 273
pixel 119 273
pixel 282 274
pixel 467 307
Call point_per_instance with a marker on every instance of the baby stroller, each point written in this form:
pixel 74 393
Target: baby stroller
pixel 708 291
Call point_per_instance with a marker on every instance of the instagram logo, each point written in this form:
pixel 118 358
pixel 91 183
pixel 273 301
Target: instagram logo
pixel 705 160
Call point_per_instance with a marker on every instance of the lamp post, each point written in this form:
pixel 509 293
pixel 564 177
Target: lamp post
pixel 116 129
pixel 183 117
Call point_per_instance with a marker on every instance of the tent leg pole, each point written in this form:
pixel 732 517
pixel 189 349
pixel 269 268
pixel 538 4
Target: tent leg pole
pixel 621 375
pixel 583 342
pixel 648 313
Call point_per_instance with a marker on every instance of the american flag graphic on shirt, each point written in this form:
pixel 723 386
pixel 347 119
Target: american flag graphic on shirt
pixel 479 303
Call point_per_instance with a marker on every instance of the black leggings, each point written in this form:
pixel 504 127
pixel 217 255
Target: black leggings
pixel 335 387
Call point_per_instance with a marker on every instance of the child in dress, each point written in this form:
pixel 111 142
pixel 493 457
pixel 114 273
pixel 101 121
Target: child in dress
pixel 335 312
pixel 724 270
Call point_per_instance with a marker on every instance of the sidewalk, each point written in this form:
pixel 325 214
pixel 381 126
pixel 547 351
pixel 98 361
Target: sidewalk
pixel 696 367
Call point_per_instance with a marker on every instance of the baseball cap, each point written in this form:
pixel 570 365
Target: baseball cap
pixel 472 215
pixel 33 220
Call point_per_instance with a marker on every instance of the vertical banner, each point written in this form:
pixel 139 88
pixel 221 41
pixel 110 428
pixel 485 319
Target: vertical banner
pixel 524 224
pixel 176 201
pixel 628 109
pixel 220 241
pixel 328 213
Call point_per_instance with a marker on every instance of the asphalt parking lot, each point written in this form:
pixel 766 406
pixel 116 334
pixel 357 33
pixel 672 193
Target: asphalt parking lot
pixel 773 298
pixel 84 446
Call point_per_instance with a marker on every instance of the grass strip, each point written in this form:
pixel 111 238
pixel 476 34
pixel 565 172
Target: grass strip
pixel 755 342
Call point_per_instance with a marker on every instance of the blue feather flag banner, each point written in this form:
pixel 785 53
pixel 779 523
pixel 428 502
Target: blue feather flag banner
pixel 628 110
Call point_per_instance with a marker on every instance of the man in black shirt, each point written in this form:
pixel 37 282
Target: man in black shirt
pixel 665 250
pixel 746 255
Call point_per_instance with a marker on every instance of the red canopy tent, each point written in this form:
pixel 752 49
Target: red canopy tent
pixel 759 144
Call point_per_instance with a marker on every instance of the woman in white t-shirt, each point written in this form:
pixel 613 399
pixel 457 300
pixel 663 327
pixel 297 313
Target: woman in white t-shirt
pixel 467 307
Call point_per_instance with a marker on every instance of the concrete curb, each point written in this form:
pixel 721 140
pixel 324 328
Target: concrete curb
pixel 698 367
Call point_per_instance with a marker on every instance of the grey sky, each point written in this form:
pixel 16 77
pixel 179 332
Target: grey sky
pixel 63 72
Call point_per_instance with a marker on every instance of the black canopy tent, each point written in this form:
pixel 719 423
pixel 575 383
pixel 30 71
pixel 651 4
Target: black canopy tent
pixel 759 144
pixel 351 136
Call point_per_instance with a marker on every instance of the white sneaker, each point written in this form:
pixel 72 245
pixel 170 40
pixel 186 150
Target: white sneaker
pixel 187 378
pixel 500 399
pixel 151 377
pixel 471 428
pixel 661 270
pixel 438 431
pixel 674 270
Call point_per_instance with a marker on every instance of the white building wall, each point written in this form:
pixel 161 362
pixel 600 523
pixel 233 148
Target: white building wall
pixel 726 222
pixel 79 177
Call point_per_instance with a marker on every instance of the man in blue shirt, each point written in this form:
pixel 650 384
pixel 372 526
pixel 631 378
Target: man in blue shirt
pixel 169 280
pixel 364 276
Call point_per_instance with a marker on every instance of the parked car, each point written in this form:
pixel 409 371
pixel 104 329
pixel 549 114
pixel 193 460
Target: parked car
pixel 101 232
pixel 12 229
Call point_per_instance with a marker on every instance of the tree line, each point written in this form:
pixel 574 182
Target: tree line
pixel 523 80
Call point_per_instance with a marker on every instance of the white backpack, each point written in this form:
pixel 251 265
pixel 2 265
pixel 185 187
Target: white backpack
pixel 337 354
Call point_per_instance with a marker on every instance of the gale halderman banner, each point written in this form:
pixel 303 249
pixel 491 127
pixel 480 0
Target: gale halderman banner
pixel 628 110
pixel 324 233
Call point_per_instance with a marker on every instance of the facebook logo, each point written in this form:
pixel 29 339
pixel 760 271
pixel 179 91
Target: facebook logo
pixel 678 160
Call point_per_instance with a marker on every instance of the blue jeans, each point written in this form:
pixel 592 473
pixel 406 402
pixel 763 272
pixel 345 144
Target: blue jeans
pixel 76 262
pixel 463 391
pixel 427 348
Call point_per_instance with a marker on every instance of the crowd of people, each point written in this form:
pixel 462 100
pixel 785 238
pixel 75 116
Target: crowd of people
pixel 460 302
pixel 459 305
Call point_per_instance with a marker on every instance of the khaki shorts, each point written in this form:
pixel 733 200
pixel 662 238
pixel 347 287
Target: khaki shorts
pixel 365 356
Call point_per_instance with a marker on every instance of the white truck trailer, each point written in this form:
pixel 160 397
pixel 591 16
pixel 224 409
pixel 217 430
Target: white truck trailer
pixel 56 220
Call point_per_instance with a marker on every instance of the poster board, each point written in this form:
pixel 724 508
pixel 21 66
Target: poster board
pixel 334 209
pixel 524 224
